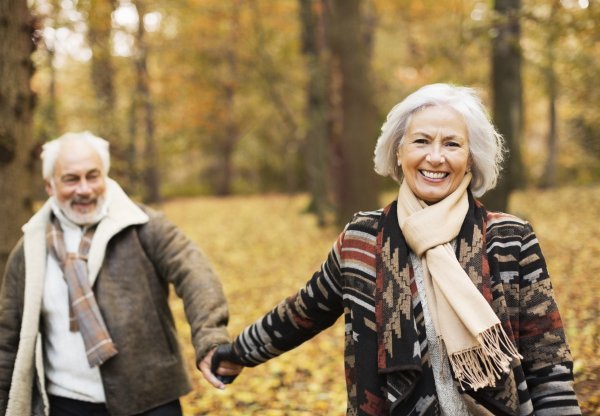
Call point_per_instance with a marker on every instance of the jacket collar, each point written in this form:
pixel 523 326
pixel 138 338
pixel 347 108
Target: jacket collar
pixel 122 212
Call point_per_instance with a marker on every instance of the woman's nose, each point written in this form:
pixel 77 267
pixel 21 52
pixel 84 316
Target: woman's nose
pixel 435 155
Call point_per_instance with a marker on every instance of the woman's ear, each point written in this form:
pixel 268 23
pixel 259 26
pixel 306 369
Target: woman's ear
pixel 399 152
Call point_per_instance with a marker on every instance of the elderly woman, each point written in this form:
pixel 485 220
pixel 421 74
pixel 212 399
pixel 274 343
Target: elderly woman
pixel 448 307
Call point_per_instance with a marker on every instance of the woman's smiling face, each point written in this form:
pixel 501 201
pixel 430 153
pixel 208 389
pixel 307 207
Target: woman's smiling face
pixel 434 153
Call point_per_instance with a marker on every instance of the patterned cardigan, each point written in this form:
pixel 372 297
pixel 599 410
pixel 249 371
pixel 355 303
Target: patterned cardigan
pixel 518 289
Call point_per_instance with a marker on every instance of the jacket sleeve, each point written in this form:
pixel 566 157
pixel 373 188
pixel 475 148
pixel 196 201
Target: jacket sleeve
pixel 11 308
pixel 181 262
pixel 547 361
pixel 298 318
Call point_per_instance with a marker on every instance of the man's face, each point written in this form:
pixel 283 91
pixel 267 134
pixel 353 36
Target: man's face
pixel 78 182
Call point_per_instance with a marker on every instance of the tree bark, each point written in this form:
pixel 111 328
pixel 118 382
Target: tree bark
pixel 102 71
pixel 357 185
pixel 313 47
pixel 150 168
pixel 231 136
pixel 507 98
pixel 271 77
pixel 17 102
pixel 549 175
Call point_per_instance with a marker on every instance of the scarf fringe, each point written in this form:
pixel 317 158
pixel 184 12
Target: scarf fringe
pixel 479 367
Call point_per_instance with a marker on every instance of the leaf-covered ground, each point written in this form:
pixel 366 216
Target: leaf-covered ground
pixel 264 249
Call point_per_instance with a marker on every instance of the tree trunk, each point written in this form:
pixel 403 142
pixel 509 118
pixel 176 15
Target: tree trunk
pixel 16 110
pixel 231 129
pixel 549 176
pixel 356 182
pixel 313 45
pixel 271 77
pixel 151 171
pixel 508 98
pixel 49 129
pixel 102 72
pixel 132 181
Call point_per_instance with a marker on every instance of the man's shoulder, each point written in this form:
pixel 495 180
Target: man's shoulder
pixel 16 258
pixel 157 226
pixel 154 215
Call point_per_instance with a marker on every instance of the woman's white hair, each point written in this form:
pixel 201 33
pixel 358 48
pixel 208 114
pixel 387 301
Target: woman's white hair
pixel 51 149
pixel 486 145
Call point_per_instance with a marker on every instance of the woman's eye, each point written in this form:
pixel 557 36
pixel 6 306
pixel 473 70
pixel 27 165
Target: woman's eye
pixel 453 144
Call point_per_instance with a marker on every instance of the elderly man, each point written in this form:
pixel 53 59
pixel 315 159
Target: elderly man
pixel 85 324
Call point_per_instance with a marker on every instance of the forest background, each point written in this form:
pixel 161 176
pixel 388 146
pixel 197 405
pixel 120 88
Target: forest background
pixel 284 100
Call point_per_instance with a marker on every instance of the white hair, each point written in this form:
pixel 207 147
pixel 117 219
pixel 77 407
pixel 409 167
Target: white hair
pixel 486 145
pixel 51 149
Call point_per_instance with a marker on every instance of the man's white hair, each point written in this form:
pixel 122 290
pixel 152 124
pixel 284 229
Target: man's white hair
pixel 485 143
pixel 51 149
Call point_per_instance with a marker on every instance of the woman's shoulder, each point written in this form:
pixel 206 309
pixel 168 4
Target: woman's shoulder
pixel 505 225
pixel 494 218
pixel 367 220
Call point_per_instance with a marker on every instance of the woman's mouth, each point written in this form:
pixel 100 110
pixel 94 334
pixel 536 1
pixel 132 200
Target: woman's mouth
pixel 433 175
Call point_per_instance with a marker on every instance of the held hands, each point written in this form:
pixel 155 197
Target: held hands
pixel 219 367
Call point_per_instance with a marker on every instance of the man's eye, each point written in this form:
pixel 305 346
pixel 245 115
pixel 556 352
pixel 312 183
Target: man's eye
pixel 69 180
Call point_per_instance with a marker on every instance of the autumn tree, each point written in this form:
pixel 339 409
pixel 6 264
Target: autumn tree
pixel 16 110
pixel 142 104
pixel 99 31
pixel 225 144
pixel 316 52
pixel 48 126
pixel 507 90
pixel 356 184
pixel 551 83
pixel 270 73
pixel 581 75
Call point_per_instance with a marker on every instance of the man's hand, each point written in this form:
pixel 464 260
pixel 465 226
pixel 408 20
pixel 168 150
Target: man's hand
pixel 219 371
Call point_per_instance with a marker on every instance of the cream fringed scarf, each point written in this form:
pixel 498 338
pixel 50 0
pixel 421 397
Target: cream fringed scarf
pixel 478 348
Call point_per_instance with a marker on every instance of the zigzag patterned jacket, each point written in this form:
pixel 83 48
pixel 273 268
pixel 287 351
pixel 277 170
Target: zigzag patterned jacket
pixel 368 265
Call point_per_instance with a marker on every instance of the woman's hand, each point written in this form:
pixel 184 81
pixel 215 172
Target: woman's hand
pixel 216 367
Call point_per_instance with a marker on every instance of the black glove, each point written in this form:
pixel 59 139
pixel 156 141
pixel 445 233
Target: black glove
pixel 224 352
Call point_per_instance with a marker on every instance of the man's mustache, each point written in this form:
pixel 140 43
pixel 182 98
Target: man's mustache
pixel 83 200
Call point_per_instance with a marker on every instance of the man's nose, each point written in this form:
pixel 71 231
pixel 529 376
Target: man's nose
pixel 84 187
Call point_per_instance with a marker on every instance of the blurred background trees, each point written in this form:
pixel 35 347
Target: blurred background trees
pixel 252 96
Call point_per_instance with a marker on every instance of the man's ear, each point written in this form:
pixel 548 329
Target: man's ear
pixel 49 188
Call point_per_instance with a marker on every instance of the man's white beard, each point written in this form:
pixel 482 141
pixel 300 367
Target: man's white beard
pixel 82 219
